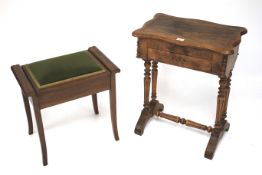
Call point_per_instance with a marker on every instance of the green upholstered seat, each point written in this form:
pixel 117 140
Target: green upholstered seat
pixel 62 68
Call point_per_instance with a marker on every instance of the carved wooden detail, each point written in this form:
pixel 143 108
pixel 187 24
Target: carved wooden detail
pixel 183 121
pixel 222 96
pixel 194 44
pixel 154 79
pixel 147 79
pixel 146 114
pixel 227 94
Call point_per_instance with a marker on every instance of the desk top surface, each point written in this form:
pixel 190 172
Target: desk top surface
pixel 192 33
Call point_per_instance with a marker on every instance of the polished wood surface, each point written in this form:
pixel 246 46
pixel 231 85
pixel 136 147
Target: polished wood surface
pixel 194 44
pixel 183 121
pixel 66 91
pixel 192 33
pixel 94 99
pixel 28 114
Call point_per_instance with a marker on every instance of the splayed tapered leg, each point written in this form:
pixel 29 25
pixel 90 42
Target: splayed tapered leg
pixel 95 106
pixel 112 94
pixel 28 114
pixel 40 130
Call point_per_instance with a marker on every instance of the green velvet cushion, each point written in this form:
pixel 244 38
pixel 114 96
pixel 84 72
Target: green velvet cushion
pixel 64 67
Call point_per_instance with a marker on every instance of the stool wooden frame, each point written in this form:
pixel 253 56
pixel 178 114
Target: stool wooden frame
pixel 66 91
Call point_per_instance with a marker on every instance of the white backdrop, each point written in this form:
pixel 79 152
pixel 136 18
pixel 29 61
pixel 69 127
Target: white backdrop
pixel 79 142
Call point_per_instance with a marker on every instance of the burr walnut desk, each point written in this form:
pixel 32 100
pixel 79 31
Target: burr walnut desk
pixel 194 44
pixel 61 79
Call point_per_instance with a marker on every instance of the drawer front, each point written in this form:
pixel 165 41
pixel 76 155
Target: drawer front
pixel 194 63
pixel 181 50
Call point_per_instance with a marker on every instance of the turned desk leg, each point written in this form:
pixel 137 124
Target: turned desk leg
pixel 154 79
pixel 221 125
pixel 40 128
pixel 147 80
pixel 155 106
pixel 228 83
pixel 150 107
pixel 145 114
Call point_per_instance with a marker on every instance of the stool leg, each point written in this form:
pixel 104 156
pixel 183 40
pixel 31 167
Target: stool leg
pixel 94 99
pixel 40 130
pixel 112 94
pixel 28 114
pixel 221 125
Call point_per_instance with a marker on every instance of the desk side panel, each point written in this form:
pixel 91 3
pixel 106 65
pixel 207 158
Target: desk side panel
pixel 142 48
pixel 231 60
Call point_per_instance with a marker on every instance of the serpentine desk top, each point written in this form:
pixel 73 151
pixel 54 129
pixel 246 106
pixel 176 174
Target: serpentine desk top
pixel 192 33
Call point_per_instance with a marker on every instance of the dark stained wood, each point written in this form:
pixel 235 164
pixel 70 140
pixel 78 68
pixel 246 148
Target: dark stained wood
pixel 154 79
pixel 228 83
pixel 22 80
pixel 66 91
pixel 192 33
pixel 94 100
pixel 74 90
pixel 112 94
pixel 180 50
pixel 142 121
pixel 186 57
pixel 180 60
pixel 216 135
pixel 147 113
pixel 142 48
pixel 28 113
pixel 103 59
pixel 183 121
pixel 189 43
pixel 40 128
pixel 221 100
pixel 147 80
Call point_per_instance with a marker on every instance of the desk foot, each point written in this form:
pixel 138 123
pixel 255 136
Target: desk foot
pixel 146 114
pixel 214 139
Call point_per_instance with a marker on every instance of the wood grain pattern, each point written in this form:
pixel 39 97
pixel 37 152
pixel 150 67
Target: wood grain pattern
pixel 74 90
pixel 187 57
pixel 147 113
pixel 147 80
pixel 112 94
pixel 94 100
pixel 228 83
pixel 216 135
pixel 180 60
pixel 192 33
pixel 28 114
pixel 22 80
pixel 104 59
pixel 177 49
pixel 154 79
pixel 40 128
pixel 194 44
pixel 183 121
pixel 66 91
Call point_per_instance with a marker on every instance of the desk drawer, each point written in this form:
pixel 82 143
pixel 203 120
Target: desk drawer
pixel 194 63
